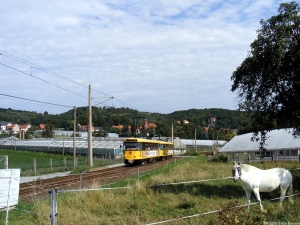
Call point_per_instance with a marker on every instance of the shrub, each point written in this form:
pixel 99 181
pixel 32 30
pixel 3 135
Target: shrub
pixel 219 158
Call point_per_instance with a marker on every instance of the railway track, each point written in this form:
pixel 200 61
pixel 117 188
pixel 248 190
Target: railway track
pixel 31 191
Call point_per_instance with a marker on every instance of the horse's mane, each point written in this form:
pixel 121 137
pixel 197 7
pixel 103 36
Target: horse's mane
pixel 247 167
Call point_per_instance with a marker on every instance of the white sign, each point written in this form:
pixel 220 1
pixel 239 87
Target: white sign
pixel 9 187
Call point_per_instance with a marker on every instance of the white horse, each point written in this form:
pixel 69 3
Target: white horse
pixel 256 180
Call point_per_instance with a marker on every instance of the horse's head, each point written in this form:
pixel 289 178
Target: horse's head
pixel 236 171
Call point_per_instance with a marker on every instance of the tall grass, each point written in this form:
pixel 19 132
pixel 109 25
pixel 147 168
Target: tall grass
pixel 146 201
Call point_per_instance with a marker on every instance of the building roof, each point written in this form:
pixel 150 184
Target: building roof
pixel 3 123
pixel 202 142
pixel 191 142
pixel 277 140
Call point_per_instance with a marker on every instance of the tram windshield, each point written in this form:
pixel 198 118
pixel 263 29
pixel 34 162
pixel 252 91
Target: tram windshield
pixel 132 146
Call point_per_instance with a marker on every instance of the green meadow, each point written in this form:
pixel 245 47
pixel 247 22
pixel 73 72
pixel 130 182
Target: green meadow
pixel 24 161
pixel 190 191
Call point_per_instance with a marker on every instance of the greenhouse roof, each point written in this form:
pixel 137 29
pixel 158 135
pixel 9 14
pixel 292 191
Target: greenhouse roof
pixel 277 140
pixel 110 143
pixel 202 142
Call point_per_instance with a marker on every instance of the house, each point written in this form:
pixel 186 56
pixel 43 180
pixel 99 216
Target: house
pixel 280 145
pixel 41 126
pixel 206 129
pixel 4 124
pixel 120 127
pixel 148 125
pixel 85 128
pixel 14 128
pixel 24 127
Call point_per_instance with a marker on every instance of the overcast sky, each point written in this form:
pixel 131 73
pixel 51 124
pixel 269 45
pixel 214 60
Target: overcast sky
pixel 153 56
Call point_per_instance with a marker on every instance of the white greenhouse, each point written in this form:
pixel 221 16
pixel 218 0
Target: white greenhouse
pixel 280 145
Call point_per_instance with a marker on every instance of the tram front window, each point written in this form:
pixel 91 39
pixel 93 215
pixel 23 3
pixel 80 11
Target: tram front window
pixel 132 146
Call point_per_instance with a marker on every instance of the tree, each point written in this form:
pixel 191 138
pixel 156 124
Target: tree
pixel 268 80
pixel 229 135
pixel 48 131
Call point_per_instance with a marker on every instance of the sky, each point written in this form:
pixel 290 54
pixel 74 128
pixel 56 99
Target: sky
pixel 152 56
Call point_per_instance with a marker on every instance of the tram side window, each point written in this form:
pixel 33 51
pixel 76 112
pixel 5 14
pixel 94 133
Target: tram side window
pixel 132 146
pixel 149 146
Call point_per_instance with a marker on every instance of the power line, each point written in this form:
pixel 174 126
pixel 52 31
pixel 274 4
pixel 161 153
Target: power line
pixel 36 101
pixel 39 68
pixel 52 73
pixel 44 70
pixel 41 80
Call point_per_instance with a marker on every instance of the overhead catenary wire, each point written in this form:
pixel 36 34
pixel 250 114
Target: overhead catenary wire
pixel 42 80
pixel 32 65
pixel 6 54
pixel 36 101
pixel 37 67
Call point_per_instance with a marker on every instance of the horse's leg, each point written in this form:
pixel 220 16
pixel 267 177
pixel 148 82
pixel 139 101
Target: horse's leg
pixel 282 193
pixel 248 196
pixel 291 192
pixel 256 193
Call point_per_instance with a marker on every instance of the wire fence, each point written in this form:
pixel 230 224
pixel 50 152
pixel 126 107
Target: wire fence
pixel 55 213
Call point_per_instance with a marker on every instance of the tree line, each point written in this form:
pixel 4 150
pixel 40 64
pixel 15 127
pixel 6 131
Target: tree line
pixel 105 117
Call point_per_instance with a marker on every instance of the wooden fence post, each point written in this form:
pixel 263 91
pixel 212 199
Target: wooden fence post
pixel 65 163
pixel 51 164
pixel 34 166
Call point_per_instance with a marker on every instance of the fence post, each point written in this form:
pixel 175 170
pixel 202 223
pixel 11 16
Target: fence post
pixel 65 163
pixel 53 212
pixel 6 162
pixel 80 180
pixel 51 164
pixel 34 166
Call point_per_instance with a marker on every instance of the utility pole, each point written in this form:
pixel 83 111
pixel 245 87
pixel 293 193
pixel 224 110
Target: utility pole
pixel 136 125
pixel 195 139
pixel 172 134
pixel 90 147
pixel 74 139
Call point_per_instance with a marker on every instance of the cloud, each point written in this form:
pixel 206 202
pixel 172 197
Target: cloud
pixel 156 56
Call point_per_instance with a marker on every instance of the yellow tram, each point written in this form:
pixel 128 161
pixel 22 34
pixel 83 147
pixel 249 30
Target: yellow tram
pixel 139 150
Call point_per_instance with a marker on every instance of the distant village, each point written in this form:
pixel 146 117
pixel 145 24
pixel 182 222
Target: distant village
pixel 10 128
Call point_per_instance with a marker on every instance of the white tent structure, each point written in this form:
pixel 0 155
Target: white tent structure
pixel 200 144
pixel 281 144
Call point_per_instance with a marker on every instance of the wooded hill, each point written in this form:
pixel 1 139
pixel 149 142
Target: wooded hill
pixel 106 117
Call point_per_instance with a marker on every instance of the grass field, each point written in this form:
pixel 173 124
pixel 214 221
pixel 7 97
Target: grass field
pixel 146 201
pixel 24 161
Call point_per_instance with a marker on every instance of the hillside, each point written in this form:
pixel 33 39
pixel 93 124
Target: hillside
pixel 107 117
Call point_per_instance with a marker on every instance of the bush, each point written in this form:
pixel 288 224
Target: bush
pixel 219 158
